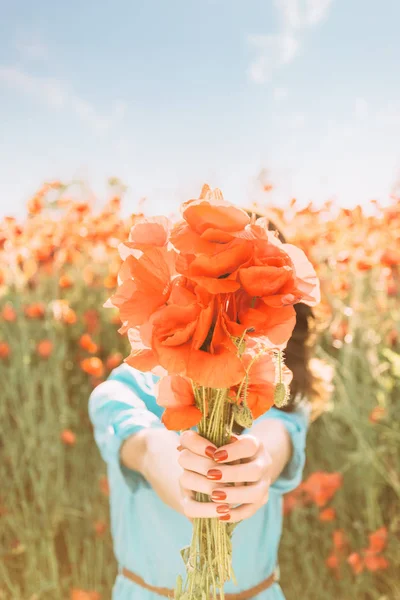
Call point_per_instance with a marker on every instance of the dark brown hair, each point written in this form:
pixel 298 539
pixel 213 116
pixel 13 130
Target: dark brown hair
pixel 299 349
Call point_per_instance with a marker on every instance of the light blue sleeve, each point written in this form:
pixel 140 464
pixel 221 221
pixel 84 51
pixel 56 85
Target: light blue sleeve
pixel 296 423
pixel 117 411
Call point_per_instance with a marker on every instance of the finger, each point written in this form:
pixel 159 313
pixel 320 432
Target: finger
pixel 240 513
pixel 246 447
pixel 242 473
pixel 194 510
pixel 193 462
pixel 197 444
pixel 255 493
pixel 197 483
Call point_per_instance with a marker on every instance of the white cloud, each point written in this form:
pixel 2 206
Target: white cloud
pixel 298 14
pixel 58 95
pixel 276 50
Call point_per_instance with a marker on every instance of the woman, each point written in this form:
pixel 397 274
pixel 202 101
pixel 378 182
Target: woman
pixel 153 473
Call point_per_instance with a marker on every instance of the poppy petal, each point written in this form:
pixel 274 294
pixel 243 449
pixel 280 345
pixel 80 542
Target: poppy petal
pixel 174 391
pixel 142 360
pixel 223 369
pixel 181 418
pixel 264 281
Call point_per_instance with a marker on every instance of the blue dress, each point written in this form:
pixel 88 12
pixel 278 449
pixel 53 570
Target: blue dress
pixel 147 534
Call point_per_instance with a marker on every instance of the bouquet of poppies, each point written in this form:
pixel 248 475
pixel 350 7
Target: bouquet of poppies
pixel 207 304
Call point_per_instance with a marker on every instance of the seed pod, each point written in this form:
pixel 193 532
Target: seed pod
pixel 280 395
pixel 243 416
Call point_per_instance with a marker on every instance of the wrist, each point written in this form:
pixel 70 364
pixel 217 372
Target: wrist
pixel 157 444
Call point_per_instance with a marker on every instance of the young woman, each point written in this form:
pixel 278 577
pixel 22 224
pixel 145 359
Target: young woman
pixel 153 473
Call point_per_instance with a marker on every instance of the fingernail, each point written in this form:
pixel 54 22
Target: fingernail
pixel 218 495
pixel 210 451
pixel 220 455
pixel 225 517
pixel 223 509
pixel 214 474
pixel 179 448
pixel 233 439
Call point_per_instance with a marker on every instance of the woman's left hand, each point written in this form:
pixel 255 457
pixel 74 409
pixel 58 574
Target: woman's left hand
pixel 236 477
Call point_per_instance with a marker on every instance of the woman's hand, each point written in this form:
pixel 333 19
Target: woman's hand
pixel 236 477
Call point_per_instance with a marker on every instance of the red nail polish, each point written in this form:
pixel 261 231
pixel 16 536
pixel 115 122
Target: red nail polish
pixel 218 495
pixel 220 455
pixel 223 509
pixel 179 448
pixel 225 517
pixel 234 438
pixel 214 474
pixel 210 451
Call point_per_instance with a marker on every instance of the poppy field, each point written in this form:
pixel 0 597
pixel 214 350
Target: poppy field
pixel 58 265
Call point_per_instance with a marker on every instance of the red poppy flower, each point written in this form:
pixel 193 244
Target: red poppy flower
pixel 356 563
pixel 176 338
pixel 4 350
pixel 93 366
pixel 145 287
pixel 378 540
pixel 44 348
pixel 209 223
pixel 321 486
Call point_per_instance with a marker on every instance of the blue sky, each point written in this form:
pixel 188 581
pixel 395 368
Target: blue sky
pixel 168 94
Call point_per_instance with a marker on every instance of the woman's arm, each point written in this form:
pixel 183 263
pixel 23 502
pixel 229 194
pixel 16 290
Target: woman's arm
pixel 155 455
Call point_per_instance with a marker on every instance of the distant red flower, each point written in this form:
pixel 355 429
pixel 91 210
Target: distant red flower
pixel 376 562
pixel 65 281
pixel 390 257
pixel 356 562
pixel 364 265
pixel 378 413
pixel 93 366
pixel 110 281
pixel 44 348
pixel 36 205
pixel 340 541
pixel 8 313
pixel 328 514
pixel 104 485
pixel 35 310
pixel 63 312
pixel 88 344
pixel 4 350
pixel 322 486
pixel 332 562
pixel 68 437
pixel 100 527
pixel 378 540
pixel 114 360
pixel 393 337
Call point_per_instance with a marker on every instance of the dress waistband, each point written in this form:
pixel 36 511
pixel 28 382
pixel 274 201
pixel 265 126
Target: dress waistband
pixel 168 593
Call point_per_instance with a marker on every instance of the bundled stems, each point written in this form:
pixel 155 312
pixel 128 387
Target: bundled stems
pixel 209 557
